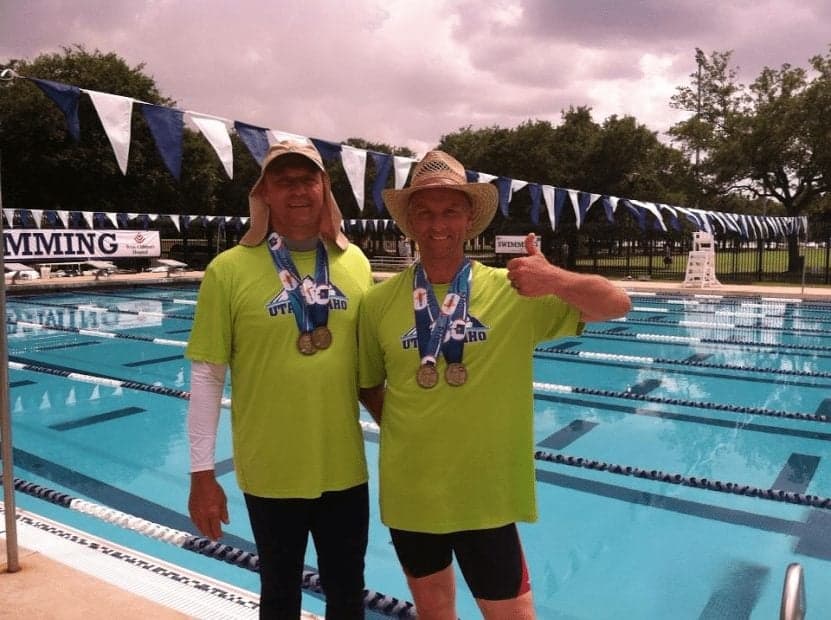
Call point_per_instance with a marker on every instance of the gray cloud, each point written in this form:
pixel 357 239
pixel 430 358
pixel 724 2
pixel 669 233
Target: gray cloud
pixel 406 73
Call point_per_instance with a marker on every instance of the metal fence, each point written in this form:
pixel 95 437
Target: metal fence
pixel 612 251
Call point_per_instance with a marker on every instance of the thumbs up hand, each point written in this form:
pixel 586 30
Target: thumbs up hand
pixel 531 275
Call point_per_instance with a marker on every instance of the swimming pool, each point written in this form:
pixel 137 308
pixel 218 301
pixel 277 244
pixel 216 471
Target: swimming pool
pixel 648 428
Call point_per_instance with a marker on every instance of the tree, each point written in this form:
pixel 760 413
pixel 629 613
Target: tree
pixel 768 140
pixel 44 168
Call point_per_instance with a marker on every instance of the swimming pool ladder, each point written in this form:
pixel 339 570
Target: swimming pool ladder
pixel 793 594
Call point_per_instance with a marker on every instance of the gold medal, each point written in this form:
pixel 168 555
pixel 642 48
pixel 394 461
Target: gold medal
pixel 321 337
pixel 455 374
pixel 427 376
pixel 305 344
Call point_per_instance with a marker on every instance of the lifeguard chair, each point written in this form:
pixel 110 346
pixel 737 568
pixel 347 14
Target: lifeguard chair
pixel 701 262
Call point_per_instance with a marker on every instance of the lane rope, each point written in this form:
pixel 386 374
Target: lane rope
pixel 373 600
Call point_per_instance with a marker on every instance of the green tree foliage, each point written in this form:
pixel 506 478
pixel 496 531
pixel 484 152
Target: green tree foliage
pixel 768 140
pixel 44 168
pixel 619 157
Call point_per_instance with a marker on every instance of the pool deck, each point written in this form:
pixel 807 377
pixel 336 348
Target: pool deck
pixel 44 586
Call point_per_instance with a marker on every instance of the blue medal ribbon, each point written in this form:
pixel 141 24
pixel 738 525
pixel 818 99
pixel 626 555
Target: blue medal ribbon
pixel 309 300
pixel 440 330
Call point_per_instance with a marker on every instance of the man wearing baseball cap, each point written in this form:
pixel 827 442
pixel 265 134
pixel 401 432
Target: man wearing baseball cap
pixel 449 343
pixel 280 310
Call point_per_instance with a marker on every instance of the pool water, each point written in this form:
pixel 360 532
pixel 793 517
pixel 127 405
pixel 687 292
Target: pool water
pixel 699 387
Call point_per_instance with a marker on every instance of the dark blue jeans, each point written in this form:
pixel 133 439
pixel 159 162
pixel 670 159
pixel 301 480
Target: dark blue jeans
pixel 338 522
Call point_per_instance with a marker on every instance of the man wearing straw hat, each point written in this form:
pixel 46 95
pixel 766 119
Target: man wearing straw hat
pixel 448 346
pixel 280 310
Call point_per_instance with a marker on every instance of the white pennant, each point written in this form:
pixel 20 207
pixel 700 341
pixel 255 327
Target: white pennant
pixel 153 216
pixel 275 135
pixel 132 216
pixel 402 167
pixel 216 132
pixel 63 216
pixel 37 215
pixel 575 205
pixel 115 113
pixel 548 198
pixel 9 213
pixel 484 177
pixel 354 163
pixel 88 216
pixel 174 219
pixel 112 218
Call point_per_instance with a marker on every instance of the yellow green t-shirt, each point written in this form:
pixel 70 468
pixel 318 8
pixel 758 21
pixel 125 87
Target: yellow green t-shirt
pixel 294 417
pixel 458 458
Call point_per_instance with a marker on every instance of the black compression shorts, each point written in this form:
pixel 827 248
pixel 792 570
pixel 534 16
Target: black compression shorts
pixel 491 561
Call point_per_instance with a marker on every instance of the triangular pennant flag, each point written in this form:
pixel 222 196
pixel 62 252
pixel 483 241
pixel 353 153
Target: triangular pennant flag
pixel 383 167
pixel 66 98
pixel 328 150
pixel 132 216
pixel 651 208
pixel 152 216
pixel 503 186
pixel 255 138
pixel 37 215
pixel 548 196
pixel 354 163
pixel 89 218
pixel 535 191
pixel 484 177
pixel 63 216
pixel 560 196
pixel 9 214
pixel 609 206
pixel 167 127
pixel 274 136
pixel 111 217
pixel 402 167
pixel 115 113
pixel 575 205
pixel 216 133
pixel 174 219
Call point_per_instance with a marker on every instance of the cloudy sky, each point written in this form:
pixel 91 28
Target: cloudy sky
pixel 406 72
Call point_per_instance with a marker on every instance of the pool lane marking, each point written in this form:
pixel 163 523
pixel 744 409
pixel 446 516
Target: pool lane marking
pixel 98 418
pixel 94 308
pixel 738 592
pixel 149 362
pixel 682 417
pixel 811 534
pixel 568 434
pixel 234 549
pixel 573 389
pixel 20 363
pixel 174 300
pixel 797 473
pixel 97 333
pixel 715 343
pixel 613 359
pixel 791 331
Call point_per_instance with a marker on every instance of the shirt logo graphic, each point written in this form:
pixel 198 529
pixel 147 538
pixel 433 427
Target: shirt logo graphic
pixel 312 294
pixel 476 332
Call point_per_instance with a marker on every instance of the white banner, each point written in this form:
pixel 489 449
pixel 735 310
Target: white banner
pixel 512 244
pixel 23 244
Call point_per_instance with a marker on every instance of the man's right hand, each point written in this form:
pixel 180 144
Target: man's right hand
pixel 207 504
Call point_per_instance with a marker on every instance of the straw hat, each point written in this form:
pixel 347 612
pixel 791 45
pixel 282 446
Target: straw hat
pixel 439 170
pixel 330 217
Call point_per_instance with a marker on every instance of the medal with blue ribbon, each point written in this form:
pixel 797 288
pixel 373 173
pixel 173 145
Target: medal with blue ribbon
pixel 440 330
pixel 309 299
